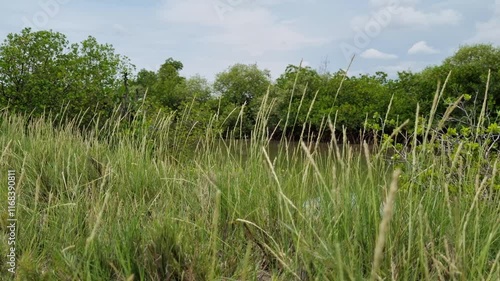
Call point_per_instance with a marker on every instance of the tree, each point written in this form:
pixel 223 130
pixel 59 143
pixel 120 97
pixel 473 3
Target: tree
pixel 40 72
pixel 407 90
pixel 32 70
pixel 361 97
pixel 470 66
pixel 295 91
pixel 144 81
pixel 96 75
pixel 197 88
pixel 146 78
pixel 167 89
pixel 242 85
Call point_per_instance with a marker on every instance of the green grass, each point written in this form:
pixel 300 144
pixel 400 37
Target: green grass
pixel 160 205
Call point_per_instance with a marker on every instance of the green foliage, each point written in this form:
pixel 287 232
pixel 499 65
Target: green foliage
pixel 166 91
pixel 29 62
pixel 159 165
pixel 118 208
pixel 240 89
pixel 41 72
pixel 362 96
pixel 470 66
pixel 296 90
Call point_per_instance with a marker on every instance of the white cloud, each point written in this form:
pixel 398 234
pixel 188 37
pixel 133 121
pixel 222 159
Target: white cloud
pixel 254 30
pixel 422 48
pixel 376 54
pixel 403 13
pixel 488 31
pixel 411 17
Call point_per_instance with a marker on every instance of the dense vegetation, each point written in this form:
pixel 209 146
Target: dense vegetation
pixel 42 72
pixel 126 206
pixel 148 176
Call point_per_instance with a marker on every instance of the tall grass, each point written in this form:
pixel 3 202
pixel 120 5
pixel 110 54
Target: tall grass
pixel 159 202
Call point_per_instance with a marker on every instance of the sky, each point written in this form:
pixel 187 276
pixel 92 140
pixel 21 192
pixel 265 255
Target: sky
pixel 208 36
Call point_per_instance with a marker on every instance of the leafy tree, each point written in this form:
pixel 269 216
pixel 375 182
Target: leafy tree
pixel 361 97
pixel 470 66
pixel 146 78
pixel 197 88
pixel 197 95
pixel 295 91
pixel 32 70
pixel 142 88
pixel 197 108
pixel 40 72
pixel 96 73
pixel 166 91
pixel 407 91
pixel 242 85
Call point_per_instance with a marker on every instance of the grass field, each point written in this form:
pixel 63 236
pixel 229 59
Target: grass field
pixel 116 206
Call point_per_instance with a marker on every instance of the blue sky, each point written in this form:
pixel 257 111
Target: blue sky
pixel 210 35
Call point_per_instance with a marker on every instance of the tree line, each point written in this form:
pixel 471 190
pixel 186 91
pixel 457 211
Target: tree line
pixel 42 72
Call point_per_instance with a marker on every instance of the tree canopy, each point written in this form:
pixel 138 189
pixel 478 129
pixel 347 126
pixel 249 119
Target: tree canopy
pixel 43 72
